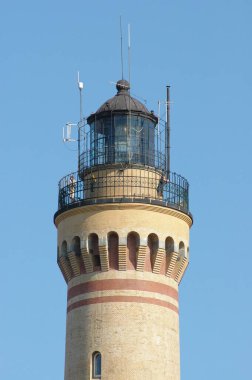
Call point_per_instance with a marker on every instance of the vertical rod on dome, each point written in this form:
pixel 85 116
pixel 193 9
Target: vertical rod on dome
pixel 158 133
pixel 121 45
pixel 129 63
pixel 80 86
pixel 129 134
pixel 167 130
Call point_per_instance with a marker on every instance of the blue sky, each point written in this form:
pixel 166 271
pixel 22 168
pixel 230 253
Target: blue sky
pixel 203 50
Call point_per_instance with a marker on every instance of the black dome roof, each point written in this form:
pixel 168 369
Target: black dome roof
pixel 123 102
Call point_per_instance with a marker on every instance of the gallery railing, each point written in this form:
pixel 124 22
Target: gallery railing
pixel 107 186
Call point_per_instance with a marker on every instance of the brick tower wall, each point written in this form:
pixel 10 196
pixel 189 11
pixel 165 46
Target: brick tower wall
pixel 123 289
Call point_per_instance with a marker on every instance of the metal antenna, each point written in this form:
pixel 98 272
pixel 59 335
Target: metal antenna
pixel 67 130
pixel 159 105
pixel 158 129
pixel 121 44
pixel 129 134
pixel 167 130
pixel 80 86
pixel 129 58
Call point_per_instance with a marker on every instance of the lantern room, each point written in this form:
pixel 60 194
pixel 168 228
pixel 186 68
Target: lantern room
pixel 121 131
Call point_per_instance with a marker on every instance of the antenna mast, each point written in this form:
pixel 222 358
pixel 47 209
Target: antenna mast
pixel 129 134
pixel 80 86
pixel 67 130
pixel 158 130
pixel 167 130
pixel 121 44
pixel 129 58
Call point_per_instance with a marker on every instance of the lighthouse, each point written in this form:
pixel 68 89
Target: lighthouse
pixel 123 224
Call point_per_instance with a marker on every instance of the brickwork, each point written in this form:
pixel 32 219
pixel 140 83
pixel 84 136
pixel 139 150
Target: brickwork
pixel 87 260
pixel 171 262
pixel 104 258
pixel 160 257
pixel 133 322
pixel 123 290
pixel 65 268
pixel 147 260
pixel 122 257
pixel 74 263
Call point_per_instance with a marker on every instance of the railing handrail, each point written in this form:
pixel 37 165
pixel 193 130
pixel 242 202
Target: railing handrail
pixel 170 192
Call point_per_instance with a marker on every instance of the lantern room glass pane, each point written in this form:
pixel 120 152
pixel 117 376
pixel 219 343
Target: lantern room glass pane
pixel 122 138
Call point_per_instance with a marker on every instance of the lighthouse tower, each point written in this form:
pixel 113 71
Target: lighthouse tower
pixel 123 246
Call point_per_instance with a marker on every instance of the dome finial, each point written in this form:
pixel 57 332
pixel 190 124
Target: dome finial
pixel 122 85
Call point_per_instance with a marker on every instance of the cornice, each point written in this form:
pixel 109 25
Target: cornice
pixel 124 206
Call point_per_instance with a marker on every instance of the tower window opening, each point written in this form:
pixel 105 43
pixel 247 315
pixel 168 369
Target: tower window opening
pixel 181 249
pixel 169 249
pixel 63 248
pixel 153 245
pixel 93 247
pixel 113 241
pixel 96 261
pixel 169 245
pixel 133 241
pixel 96 365
pixel 75 247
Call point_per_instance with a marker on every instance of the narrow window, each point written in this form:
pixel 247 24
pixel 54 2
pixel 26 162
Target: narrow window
pixel 153 248
pixel 169 249
pixel 75 247
pixel 169 245
pixel 132 245
pixel 181 249
pixel 96 365
pixel 64 248
pixel 93 244
pixel 97 262
pixel 113 241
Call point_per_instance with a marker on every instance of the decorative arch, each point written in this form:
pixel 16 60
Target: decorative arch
pixel 168 261
pixel 153 244
pixel 169 245
pixel 75 246
pixel 93 247
pixel 133 242
pixel 64 249
pixel 113 242
pixel 181 249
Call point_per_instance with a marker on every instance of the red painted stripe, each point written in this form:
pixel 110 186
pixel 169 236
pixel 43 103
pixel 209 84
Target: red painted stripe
pixel 122 284
pixel 106 299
